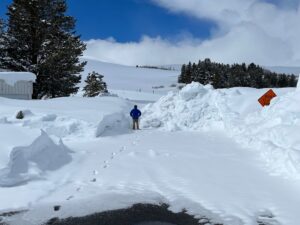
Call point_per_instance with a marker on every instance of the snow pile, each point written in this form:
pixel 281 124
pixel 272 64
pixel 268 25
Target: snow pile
pixel 113 124
pixel 193 108
pixel 274 131
pixel 13 77
pixel 298 84
pixel 27 163
pixel 59 126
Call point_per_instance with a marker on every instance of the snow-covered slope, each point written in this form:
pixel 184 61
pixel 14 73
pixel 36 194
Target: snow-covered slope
pixel 211 152
pixel 133 82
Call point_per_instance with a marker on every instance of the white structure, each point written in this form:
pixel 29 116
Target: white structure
pixel 16 85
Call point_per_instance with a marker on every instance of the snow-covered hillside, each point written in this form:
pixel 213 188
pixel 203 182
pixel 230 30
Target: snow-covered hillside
pixel 133 82
pixel 216 153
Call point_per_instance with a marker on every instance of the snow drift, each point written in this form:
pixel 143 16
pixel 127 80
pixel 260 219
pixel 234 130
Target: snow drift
pixel 27 163
pixel 273 130
pixel 193 108
pixel 113 124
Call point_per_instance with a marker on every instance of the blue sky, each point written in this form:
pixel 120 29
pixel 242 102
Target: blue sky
pixel 129 20
pixel 158 32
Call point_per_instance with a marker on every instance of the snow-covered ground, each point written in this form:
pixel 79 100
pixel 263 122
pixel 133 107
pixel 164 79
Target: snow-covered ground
pixel 133 83
pixel 215 153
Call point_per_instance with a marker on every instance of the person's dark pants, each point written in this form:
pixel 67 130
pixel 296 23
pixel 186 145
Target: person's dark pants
pixel 135 124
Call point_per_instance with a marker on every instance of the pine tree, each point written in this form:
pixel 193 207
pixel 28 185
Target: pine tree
pixel 188 73
pixel 182 76
pixel 94 85
pixel 236 75
pixel 282 80
pixel 3 44
pixel 42 40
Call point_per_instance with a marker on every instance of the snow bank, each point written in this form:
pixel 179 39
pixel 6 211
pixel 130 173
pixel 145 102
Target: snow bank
pixel 27 163
pixel 113 124
pixel 273 130
pixel 192 108
pixel 13 77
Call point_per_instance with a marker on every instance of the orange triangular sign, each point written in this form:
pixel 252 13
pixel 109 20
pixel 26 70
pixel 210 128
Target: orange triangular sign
pixel 267 97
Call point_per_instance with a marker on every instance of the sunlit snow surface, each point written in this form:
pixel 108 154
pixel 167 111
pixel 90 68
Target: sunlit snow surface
pixel 215 153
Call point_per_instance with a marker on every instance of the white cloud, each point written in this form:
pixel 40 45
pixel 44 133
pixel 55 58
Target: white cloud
pixel 248 31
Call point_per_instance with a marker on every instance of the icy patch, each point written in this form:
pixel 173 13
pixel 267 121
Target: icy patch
pixel 113 124
pixel 28 163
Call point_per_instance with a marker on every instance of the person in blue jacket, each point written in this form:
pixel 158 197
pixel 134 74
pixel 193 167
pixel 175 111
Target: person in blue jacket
pixel 135 114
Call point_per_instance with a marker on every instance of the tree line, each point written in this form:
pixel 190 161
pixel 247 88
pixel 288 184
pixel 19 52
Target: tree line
pixel 236 75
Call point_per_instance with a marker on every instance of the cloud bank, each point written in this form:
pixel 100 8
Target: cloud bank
pixel 264 32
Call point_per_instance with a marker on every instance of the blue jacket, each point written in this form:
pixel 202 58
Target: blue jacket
pixel 135 113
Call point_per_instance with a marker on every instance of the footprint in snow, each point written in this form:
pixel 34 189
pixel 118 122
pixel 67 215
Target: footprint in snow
pixel 122 149
pixel 105 166
pixel 70 197
pixel 113 155
pixel 95 172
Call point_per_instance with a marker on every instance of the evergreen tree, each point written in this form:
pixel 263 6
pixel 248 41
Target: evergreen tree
pixel 94 85
pixel 292 81
pixel 274 80
pixel 236 75
pixel 188 73
pixel 42 40
pixel 182 76
pixel 3 44
pixel 282 80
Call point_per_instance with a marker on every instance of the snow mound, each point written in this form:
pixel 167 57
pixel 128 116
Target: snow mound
pixel 192 108
pixel 28 163
pixel 274 131
pixel 59 126
pixel 113 124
